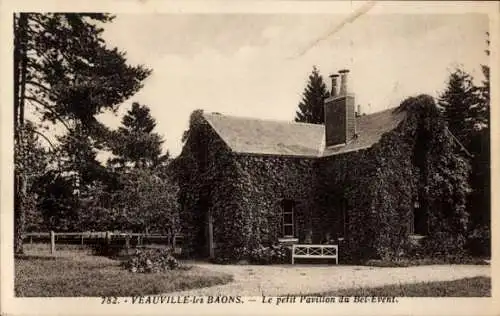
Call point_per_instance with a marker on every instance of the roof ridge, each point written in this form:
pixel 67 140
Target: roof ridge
pixel 285 121
pixel 260 119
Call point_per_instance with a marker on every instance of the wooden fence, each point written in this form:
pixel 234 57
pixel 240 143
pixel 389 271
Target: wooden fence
pixel 91 237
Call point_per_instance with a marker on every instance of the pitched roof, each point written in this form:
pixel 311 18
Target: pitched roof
pixel 257 136
pixel 370 129
pixel 268 137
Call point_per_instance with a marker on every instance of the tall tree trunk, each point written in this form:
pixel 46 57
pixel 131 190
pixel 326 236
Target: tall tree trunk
pixel 17 61
pixel 20 69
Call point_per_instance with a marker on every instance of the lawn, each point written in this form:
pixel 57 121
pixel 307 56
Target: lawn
pixel 84 275
pixel 468 287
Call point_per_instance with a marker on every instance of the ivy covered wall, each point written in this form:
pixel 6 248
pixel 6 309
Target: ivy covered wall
pixel 268 180
pixel 418 163
pixel 204 171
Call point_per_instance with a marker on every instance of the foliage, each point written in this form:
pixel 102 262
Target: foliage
pixel 66 68
pixel 274 254
pixel 479 241
pixel 190 171
pixel 446 246
pixel 479 203
pixel 146 201
pixel 65 73
pixel 467 110
pixel 213 180
pixel 419 161
pixel 32 160
pixel 460 105
pixel 78 158
pixel 311 108
pixel 57 203
pixel 135 142
pixel 484 89
pixel 151 261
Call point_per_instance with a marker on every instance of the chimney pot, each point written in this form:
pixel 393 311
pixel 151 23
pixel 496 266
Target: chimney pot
pixel 343 81
pixel 334 91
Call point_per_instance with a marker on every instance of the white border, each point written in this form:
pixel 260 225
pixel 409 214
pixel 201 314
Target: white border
pixel 77 306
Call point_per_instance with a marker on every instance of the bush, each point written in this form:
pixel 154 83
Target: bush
pixel 447 246
pixel 113 249
pixel 479 242
pixel 151 261
pixel 274 254
pixel 270 255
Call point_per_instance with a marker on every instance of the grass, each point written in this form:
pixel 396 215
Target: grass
pixel 425 261
pixel 83 275
pixel 468 287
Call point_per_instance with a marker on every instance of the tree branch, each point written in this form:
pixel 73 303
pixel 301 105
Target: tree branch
pixel 459 143
pixel 45 137
pixel 32 18
pixel 34 83
pixel 48 107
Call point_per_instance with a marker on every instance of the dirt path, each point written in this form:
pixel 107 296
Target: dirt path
pixel 251 280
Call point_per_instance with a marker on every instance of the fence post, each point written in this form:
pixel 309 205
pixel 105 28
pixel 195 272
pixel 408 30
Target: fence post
pixel 127 242
pixel 52 242
pixel 108 238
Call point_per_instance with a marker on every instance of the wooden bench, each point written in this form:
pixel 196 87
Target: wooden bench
pixel 315 252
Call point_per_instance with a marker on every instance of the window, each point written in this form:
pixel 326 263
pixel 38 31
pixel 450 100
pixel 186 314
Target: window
pixel 288 227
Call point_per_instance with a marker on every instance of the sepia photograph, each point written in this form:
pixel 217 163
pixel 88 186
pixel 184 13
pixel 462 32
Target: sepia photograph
pixel 249 159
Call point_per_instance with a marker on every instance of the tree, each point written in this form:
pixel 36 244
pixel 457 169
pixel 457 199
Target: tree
pixel 135 142
pixel 311 108
pixel 57 202
pixel 467 110
pixel 459 102
pixel 149 199
pixel 64 72
pixel 146 202
pixel 34 163
pixel 480 199
pixel 484 90
pixel 78 158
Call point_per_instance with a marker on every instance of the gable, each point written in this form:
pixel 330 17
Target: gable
pixel 268 137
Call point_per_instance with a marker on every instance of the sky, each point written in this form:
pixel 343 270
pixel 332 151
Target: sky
pixel 256 65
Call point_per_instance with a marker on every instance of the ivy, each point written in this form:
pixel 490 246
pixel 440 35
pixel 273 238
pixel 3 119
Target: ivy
pixel 418 162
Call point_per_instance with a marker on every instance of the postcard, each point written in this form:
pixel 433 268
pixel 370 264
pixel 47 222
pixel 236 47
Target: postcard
pixel 249 157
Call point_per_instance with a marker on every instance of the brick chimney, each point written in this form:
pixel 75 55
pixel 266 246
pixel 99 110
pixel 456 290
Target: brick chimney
pixel 340 121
